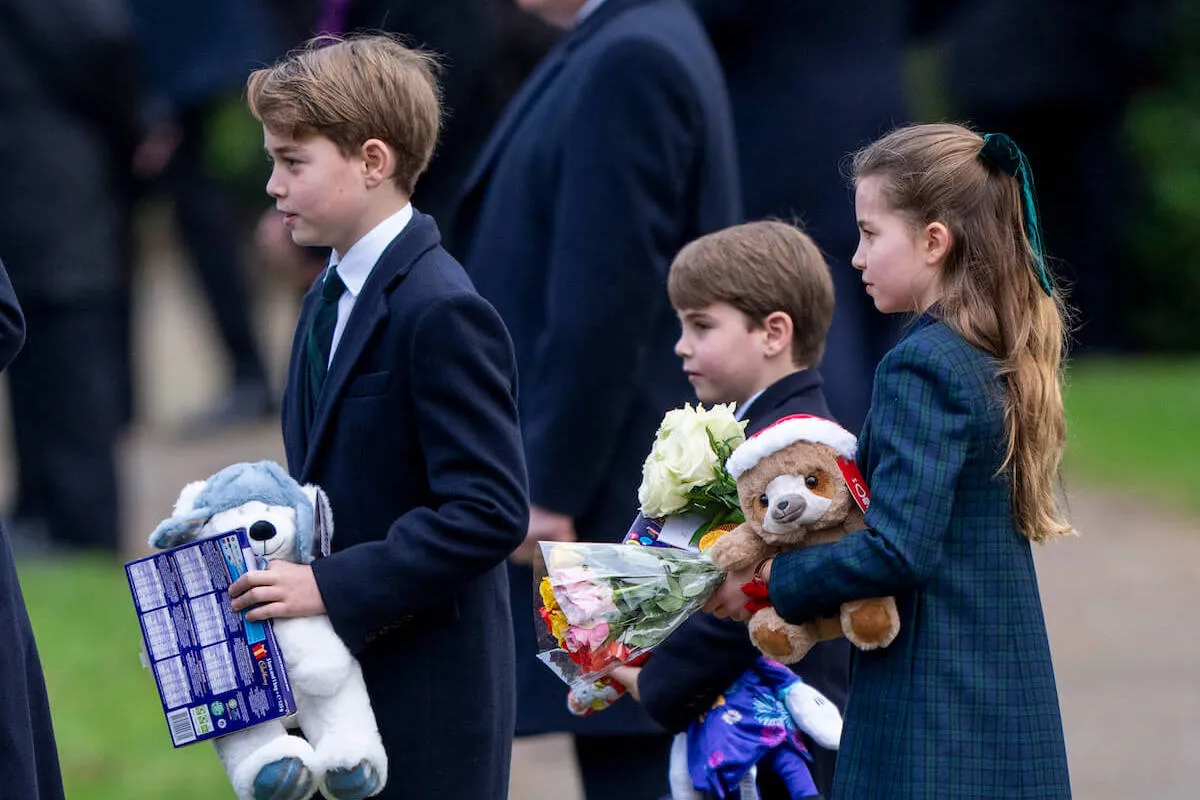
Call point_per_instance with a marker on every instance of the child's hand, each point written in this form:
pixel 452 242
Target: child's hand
pixel 729 601
pixel 282 590
pixel 628 677
pixel 544 526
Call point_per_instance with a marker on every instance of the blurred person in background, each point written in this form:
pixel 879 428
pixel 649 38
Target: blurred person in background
pixel 809 83
pixel 1058 78
pixel 68 129
pixel 616 152
pixel 197 55
pixel 28 757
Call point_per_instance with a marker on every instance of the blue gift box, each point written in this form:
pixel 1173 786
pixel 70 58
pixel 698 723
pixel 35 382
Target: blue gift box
pixel 216 672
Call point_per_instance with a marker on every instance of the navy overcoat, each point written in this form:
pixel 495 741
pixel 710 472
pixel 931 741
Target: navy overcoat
pixel 416 442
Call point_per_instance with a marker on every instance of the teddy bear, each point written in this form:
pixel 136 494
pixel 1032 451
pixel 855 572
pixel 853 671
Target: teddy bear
pixel 341 753
pixel 798 486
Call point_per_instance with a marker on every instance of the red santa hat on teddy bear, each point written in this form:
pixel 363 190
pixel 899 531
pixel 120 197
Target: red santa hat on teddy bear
pixel 803 428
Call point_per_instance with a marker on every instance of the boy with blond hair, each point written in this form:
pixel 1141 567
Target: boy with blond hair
pixel 755 302
pixel 401 404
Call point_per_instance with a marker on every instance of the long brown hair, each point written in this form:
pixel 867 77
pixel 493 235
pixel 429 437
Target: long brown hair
pixel 990 295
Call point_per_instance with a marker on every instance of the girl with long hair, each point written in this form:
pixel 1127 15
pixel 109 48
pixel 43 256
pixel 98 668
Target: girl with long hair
pixel 961 453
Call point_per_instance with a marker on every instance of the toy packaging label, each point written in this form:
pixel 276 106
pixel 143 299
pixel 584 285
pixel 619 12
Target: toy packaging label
pixel 216 672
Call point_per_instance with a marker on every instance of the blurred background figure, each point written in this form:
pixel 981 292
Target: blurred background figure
pixel 66 138
pixel 1058 78
pixel 616 152
pixel 196 57
pixel 811 82
pixel 28 759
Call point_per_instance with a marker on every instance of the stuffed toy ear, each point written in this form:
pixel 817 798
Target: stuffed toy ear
pixel 314 536
pixel 185 521
pixel 179 529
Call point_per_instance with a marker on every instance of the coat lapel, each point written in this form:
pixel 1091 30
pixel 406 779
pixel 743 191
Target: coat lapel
pixel 370 313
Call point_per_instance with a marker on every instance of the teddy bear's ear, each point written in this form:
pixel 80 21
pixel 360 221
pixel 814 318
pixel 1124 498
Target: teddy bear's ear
pixel 187 498
pixel 316 543
pixel 179 529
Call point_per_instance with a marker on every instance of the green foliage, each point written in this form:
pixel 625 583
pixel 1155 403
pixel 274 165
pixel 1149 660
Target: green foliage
pixel 1164 127
pixel 1132 425
pixel 112 738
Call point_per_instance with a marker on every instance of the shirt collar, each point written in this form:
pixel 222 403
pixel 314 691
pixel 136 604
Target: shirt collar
pixel 356 265
pixel 745 407
pixel 586 10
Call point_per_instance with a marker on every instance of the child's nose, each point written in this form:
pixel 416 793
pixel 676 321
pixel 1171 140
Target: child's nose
pixel 681 349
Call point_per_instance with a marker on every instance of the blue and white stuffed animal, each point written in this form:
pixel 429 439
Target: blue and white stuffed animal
pixel 341 753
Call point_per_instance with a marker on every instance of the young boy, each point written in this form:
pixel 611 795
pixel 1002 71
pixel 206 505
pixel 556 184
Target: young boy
pixel 401 404
pixel 755 302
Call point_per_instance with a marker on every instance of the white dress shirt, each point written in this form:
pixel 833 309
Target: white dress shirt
pixel 744 408
pixel 355 267
pixel 586 10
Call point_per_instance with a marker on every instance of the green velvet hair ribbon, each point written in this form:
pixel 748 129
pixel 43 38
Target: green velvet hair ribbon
pixel 1002 153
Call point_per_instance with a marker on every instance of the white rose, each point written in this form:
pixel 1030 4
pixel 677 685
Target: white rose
pixel 660 494
pixel 688 453
pixel 720 420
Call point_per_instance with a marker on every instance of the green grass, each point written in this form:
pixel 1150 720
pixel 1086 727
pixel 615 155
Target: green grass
pixel 1134 425
pixel 112 739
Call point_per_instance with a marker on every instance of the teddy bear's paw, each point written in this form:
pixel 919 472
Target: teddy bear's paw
pixel 352 783
pixel 777 638
pixel 286 779
pixel 872 623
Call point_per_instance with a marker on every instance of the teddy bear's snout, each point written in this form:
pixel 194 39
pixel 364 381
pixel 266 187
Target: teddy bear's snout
pixel 788 508
pixel 262 530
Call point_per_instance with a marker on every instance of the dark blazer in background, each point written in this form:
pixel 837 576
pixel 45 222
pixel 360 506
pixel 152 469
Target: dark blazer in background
pixel 810 82
pixel 486 49
pixel 28 758
pixel 617 152
pixel 705 655
pixel 415 440
pixel 963 703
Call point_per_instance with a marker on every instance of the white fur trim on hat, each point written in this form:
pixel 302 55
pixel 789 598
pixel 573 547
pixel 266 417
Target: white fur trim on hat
pixel 788 431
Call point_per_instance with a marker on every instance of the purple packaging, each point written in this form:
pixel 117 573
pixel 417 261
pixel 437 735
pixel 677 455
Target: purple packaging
pixel 216 672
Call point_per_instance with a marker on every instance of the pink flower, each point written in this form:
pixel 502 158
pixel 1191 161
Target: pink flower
pixel 585 603
pixel 578 638
pixel 715 759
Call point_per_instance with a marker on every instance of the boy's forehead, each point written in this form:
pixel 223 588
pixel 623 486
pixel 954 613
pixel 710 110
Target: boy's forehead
pixel 278 140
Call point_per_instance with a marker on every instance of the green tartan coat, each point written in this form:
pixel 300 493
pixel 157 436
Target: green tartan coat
pixel 963 705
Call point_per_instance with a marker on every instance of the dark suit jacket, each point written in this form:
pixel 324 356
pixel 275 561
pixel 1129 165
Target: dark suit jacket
pixel 963 703
pixel 617 152
pixel 28 759
pixel 810 82
pixel 416 441
pixel 701 660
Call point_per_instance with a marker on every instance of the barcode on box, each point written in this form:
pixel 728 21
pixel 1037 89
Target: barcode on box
pixel 180 723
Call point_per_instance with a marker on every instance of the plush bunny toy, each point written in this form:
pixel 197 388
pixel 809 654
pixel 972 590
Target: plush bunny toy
pixel 340 753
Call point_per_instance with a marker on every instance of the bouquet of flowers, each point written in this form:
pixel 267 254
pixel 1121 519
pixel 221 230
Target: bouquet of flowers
pixel 603 605
pixel 684 481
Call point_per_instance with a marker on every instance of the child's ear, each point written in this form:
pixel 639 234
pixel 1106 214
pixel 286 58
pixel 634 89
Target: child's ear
pixel 938 241
pixel 378 160
pixel 779 329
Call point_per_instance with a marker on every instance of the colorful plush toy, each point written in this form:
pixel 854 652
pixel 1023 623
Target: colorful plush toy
pixel 340 753
pixel 798 487
pixel 756 722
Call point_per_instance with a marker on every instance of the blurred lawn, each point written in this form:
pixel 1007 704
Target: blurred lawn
pixel 1133 426
pixel 112 738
